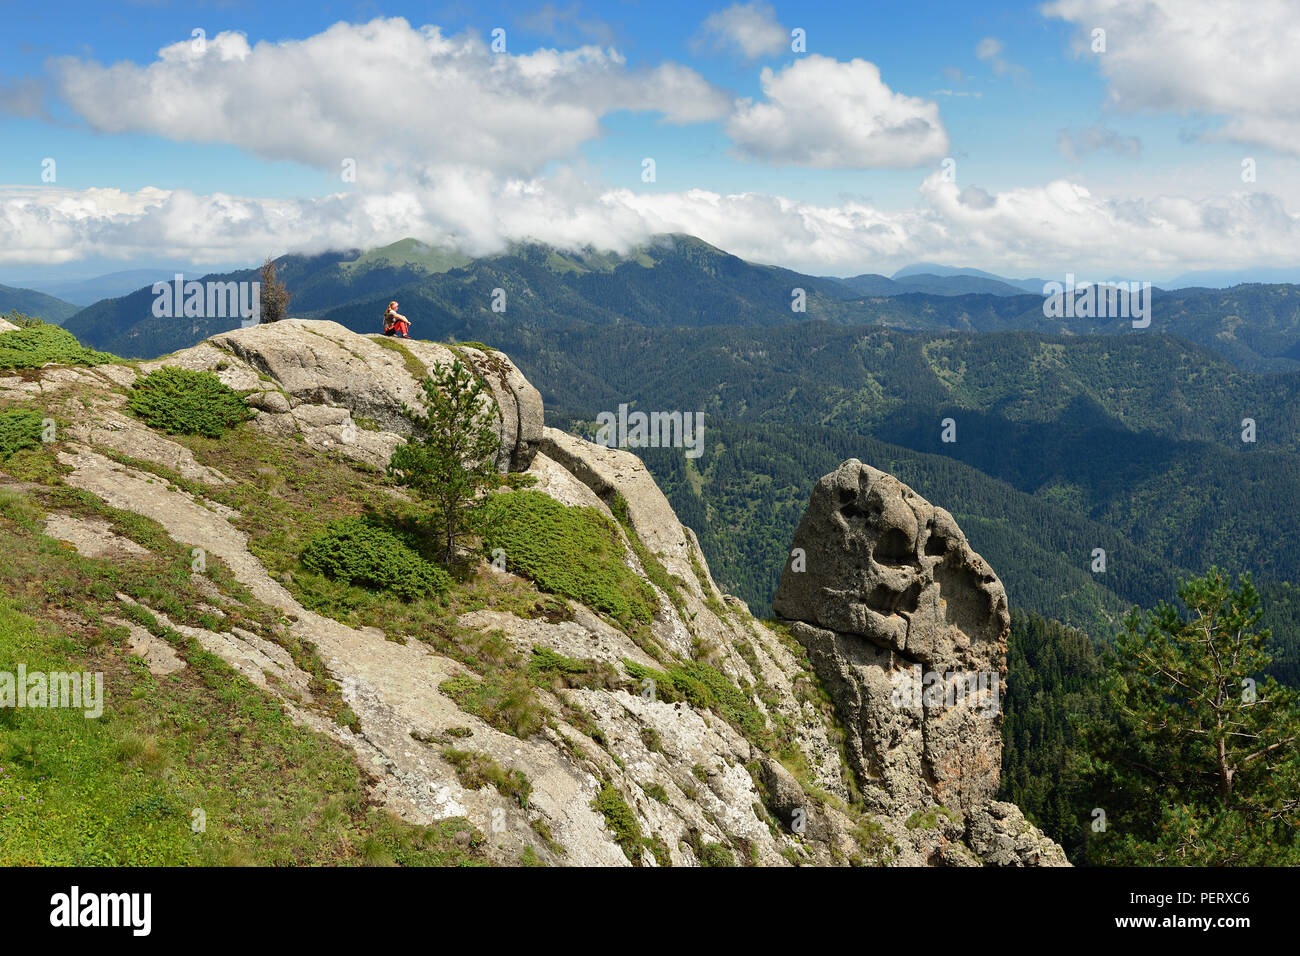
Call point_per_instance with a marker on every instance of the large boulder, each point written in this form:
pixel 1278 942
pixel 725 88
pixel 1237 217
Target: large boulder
pixel 907 628
pixel 346 392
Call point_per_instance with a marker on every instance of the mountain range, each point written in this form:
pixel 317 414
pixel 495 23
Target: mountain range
pixel 1072 434
pixel 680 281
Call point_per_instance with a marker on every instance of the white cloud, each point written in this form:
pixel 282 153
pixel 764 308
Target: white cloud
pixel 820 112
pixel 383 93
pixel 1044 230
pixel 751 28
pixel 465 133
pixel 1199 57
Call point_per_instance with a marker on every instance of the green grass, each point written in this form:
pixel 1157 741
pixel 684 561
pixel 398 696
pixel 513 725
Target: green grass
pixel 654 568
pixel 573 552
pixel 929 819
pixel 39 345
pixel 476 770
pixel 413 365
pixel 705 687
pixel 551 669
pixel 289 493
pixel 121 790
pixel 504 699
pixel 183 401
pixel 715 854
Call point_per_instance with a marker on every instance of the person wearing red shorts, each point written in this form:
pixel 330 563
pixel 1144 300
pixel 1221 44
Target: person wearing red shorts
pixel 395 323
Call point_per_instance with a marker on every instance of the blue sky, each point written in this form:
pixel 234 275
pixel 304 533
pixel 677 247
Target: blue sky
pixel 1145 152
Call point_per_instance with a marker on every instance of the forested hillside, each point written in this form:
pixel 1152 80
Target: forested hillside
pixel 1053 676
pixel 36 304
pixel 1063 446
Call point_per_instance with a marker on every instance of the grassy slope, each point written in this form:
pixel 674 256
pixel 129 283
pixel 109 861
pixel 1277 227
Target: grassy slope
pixel 121 789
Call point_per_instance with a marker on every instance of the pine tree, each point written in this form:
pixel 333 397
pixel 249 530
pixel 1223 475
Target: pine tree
pixel 274 297
pixel 1196 761
pixel 450 459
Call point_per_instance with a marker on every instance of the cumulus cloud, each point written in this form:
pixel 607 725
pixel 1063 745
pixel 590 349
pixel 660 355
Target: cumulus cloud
pixel 821 112
pixel 750 28
pixel 382 92
pixel 466 135
pixel 1075 143
pixel 1060 226
pixel 1199 57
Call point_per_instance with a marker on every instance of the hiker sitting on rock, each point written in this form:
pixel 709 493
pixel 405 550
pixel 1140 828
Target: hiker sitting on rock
pixel 395 323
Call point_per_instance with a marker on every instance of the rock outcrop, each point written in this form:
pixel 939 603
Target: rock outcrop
pixel 345 392
pixel 907 626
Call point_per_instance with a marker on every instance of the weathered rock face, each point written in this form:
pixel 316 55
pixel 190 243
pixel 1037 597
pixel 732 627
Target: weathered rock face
pixel 318 378
pixel 7 326
pixel 906 626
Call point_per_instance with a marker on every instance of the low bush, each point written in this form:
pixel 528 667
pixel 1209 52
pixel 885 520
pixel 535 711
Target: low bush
pixel 574 552
pixel 183 401
pixel 35 346
pixel 355 551
pixel 550 668
pixel 18 430
pixel 620 821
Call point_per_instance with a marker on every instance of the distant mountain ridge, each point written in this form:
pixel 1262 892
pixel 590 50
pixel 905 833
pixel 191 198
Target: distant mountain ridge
pixel 38 305
pixel 84 292
pixel 681 281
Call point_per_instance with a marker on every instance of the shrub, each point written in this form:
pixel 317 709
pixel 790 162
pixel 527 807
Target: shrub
pixel 274 296
pixel 574 552
pixel 549 667
pixel 38 345
pixel 183 401
pixel 355 551
pixel 621 821
pixel 18 430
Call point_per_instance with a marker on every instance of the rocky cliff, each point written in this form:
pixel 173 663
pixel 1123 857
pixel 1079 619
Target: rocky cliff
pixel 704 736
